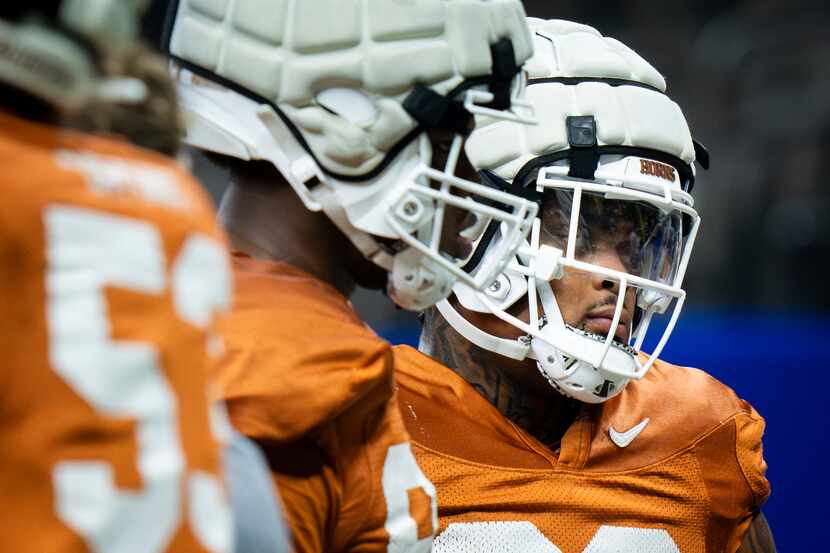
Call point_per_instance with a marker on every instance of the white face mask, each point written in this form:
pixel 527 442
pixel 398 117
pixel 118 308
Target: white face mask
pixel 631 230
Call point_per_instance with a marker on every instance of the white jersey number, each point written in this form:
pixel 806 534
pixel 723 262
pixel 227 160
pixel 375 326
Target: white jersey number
pixel 401 474
pixel 86 252
pixel 524 537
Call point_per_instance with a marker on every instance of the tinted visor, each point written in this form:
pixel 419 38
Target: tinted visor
pixel 634 237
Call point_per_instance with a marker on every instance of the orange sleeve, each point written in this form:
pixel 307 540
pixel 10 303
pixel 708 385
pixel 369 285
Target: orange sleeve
pixel 383 486
pixel 750 451
pixel 309 489
pixel 305 378
pixel 733 469
pixel 296 356
pixel 332 484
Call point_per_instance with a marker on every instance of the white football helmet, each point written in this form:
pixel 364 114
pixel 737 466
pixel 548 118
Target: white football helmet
pixel 338 96
pixel 612 156
pixel 39 56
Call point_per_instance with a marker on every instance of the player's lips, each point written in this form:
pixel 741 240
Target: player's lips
pixel 599 322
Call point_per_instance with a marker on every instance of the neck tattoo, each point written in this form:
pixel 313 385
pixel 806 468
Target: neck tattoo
pixel 541 412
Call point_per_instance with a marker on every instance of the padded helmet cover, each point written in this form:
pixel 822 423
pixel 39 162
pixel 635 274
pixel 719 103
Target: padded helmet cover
pixel 575 71
pixel 287 52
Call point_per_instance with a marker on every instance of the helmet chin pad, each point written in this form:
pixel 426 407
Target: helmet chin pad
pixel 560 360
pixel 593 388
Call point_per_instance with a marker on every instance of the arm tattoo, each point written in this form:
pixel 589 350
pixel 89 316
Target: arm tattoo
pixel 541 412
pixel 759 537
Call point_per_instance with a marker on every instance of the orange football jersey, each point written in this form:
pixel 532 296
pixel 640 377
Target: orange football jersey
pixel 306 379
pixel 673 464
pixel 111 272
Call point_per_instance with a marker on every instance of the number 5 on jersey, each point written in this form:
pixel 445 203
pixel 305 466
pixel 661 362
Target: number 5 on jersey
pixel 88 251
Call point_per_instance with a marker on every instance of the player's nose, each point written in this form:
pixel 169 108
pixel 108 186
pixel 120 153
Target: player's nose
pixel 607 258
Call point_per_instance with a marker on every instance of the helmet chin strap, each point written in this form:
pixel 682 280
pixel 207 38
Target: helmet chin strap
pixel 514 349
pixel 520 348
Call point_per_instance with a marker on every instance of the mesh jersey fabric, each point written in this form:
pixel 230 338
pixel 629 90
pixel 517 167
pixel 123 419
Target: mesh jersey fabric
pixel 306 379
pixel 691 481
pixel 55 183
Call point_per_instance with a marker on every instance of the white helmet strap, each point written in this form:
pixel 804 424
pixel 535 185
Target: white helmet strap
pixel 514 349
pixel 295 163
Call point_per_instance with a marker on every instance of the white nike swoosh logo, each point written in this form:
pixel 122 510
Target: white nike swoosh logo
pixel 623 439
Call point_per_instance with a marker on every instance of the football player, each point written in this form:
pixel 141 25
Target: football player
pixel 113 270
pixel 341 125
pixel 551 430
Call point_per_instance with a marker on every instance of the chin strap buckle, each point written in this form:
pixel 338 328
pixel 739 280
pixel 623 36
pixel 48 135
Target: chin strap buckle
pixel 434 111
pixel 505 70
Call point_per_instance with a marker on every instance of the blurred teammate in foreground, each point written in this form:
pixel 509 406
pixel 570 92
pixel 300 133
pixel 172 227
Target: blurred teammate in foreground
pixel 551 431
pixel 341 125
pixel 113 271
